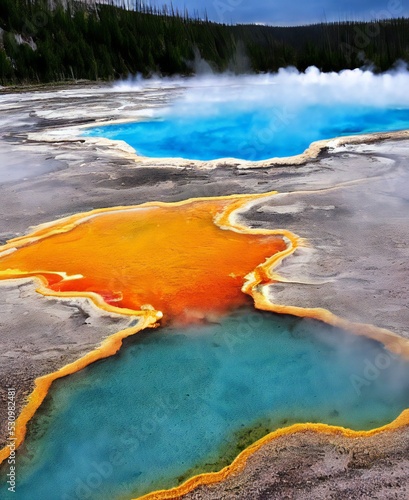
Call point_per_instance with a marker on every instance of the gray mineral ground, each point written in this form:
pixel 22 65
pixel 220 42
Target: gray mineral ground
pixel 350 203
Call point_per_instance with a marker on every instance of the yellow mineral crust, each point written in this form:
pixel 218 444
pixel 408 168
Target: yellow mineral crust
pixel 183 262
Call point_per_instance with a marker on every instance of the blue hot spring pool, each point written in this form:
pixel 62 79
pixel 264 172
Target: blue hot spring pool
pixel 173 403
pixel 255 134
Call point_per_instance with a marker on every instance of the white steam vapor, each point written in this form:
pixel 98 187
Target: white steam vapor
pixel 288 89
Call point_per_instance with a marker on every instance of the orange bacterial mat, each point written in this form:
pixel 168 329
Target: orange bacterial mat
pixel 172 257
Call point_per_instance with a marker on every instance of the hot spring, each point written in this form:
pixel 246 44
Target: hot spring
pixel 180 401
pixel 187 398
pixel 267 116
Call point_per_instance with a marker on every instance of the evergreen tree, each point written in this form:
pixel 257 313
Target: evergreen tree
pixel 50 41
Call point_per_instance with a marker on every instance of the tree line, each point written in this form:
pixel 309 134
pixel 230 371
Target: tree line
pixel 57 40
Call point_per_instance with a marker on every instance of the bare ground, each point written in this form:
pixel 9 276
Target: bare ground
pixel 355 263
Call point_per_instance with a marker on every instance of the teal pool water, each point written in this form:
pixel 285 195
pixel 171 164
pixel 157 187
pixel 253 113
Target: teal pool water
pixel 177 402
pixel 265 132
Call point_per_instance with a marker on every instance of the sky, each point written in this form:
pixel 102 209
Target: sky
pixel 290 12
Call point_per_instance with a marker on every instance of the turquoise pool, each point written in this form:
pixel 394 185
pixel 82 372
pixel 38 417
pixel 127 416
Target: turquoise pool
pixel 234 131
pixel 173 403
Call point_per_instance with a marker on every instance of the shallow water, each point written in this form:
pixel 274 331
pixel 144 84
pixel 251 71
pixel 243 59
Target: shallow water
pixel 176 402
pixel 256 134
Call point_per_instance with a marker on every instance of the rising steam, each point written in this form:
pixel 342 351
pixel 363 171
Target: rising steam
pixel 288 89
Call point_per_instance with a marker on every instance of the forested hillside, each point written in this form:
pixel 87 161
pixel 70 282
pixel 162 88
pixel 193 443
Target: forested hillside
pixel 43 41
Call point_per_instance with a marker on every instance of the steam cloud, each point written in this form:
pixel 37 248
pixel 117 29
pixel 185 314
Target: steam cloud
pixel 288 89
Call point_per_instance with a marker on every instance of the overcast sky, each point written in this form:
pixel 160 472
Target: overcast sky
pixel 290 12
